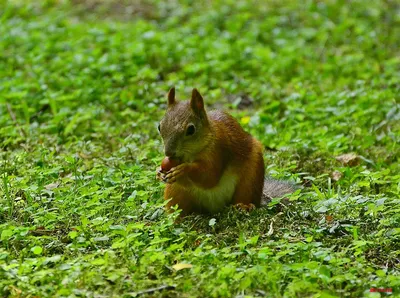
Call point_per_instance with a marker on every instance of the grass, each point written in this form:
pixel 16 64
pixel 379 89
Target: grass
pixel 82 88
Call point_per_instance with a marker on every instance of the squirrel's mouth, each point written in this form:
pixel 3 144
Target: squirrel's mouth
pixel 176 158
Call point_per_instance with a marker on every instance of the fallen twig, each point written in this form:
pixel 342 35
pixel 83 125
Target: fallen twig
pixel 271 225
pixel 152 290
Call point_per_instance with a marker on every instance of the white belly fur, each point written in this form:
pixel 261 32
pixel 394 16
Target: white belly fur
pixel 216 198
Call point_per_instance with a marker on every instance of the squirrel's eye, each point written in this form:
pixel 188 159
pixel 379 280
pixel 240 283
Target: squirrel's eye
pixel 159 130
pixel 190 130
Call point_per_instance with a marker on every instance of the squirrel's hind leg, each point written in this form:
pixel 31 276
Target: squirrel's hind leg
pixel 180 197
pixel 250 186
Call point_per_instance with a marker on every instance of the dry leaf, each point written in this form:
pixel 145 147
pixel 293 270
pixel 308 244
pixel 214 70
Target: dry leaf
pixel 181 266
pixel 52 186
pixel 328 218
pixel 349 159
pixel 16 291
pixel 336 175
pixel 83 155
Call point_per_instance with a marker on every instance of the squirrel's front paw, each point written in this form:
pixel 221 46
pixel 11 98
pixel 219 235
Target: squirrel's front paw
pixel 160 174
pixel 175 173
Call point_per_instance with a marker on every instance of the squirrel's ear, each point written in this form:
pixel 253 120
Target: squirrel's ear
pixel 197 102
pixel 171 96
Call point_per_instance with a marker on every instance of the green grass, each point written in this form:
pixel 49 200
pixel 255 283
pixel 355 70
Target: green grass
pixel 82 88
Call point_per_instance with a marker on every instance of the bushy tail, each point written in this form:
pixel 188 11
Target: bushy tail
pixel 275 189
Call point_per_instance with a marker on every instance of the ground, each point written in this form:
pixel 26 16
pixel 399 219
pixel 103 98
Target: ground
pixel 82 89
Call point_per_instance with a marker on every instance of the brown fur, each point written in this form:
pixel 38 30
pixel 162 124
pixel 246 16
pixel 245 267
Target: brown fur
pixel 245 153
pixel 219 147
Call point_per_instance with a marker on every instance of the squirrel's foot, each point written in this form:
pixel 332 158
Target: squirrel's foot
pixel 245 207
pixel 175 173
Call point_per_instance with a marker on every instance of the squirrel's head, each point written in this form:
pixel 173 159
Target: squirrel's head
pixel 185 127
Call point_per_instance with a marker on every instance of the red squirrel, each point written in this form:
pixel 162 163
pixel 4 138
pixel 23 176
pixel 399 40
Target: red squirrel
pixel 211 162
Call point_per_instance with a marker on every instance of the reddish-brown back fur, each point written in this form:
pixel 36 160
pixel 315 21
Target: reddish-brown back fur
pixel 245 152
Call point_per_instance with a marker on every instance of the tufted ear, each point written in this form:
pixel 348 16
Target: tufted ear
pixel 197 102
pixel 171 96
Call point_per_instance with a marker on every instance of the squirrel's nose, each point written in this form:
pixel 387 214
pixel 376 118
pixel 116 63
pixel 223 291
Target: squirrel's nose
pixel 170 147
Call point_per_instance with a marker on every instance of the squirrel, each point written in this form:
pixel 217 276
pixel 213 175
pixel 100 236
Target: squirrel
pixel 216 163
